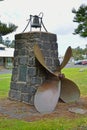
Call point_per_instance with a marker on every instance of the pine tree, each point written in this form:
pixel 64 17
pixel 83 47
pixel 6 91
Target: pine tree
pixel 6 29
pixel 81 19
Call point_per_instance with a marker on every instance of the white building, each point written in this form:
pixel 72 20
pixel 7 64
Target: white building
pixel 6 56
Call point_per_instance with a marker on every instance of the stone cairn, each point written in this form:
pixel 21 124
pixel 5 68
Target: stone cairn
pixel 27 73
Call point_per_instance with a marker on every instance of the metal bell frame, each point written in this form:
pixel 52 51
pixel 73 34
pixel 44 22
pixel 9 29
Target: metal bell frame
pixel 35 21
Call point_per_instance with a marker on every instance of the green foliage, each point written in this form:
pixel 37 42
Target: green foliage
pixel 81 19
pixel 79 52
pixel 85 50
pixel 6 29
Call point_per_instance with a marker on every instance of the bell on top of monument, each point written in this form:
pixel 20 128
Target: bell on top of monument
pixel 35 21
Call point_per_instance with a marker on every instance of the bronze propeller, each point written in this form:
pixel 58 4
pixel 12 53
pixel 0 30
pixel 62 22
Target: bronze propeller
pixel 48 93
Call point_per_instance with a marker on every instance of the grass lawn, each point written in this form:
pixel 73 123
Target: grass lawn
pixel 56 124
pixel 79 76
pixel 75 74
pixel 4 84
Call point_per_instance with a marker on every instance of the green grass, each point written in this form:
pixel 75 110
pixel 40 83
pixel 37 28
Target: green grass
pixel 4 84
pixel 79 77
pixel 47 124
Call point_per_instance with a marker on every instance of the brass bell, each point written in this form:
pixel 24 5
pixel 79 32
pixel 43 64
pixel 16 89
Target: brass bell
pixel 36 22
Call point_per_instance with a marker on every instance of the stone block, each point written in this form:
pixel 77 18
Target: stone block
pixel 31 61
pixel 28 89
pixel 49 61
pixel 25 97
pixel 31 71
pixel 15 95
pixel 23 60
pixel 35 80
pixel 14 86
pixel 46 46
pixel 23 52
pixel 54 46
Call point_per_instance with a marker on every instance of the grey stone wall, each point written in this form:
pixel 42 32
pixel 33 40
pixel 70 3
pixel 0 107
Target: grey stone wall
pixel 27 73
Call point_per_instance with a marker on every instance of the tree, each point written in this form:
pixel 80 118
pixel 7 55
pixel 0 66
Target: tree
pixel 81 19
pixel 77 53
pixel 6 29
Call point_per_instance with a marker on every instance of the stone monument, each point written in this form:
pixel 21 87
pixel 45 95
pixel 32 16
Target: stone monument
pixel 27 73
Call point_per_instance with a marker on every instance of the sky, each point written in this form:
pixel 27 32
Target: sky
pixel 57 18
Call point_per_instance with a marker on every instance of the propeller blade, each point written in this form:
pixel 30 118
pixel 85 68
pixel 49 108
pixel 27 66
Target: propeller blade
pixel 48 93
pixel 40 58
pixel 47 96
pixel 69 91
pixel 67 57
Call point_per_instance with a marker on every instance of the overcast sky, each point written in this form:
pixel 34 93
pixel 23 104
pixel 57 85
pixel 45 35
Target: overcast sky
pixel 58 18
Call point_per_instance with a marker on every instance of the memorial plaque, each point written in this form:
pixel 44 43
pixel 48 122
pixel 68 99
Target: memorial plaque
pixel 22 73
